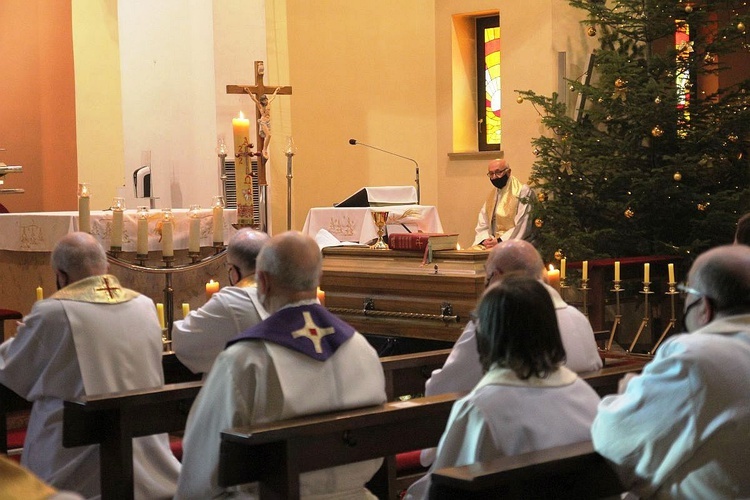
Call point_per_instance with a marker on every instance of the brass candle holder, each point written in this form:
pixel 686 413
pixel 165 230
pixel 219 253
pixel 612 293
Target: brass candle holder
pixel 672 319
pixel 584 288
pixel 617 289
pixel 380 218
pixel 646 314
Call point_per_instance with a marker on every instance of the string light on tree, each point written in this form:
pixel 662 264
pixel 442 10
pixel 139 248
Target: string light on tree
pixel 657 131
pixel 629 213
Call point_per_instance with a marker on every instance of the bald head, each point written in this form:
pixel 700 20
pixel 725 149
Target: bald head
pixel 243 250
pixel 77 256
pixel 742 235
pixel 723 275
pixel 517 257
pixel 288 269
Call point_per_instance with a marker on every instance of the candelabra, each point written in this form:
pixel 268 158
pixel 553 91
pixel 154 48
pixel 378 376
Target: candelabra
pixel 672 318
pixel 618 316
pixel 290 150
pixel 584 288
pixel 646 314
pixel 563 287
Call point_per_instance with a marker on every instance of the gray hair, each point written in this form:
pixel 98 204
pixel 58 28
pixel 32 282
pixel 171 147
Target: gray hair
pixel 516 256
pixel 243 248
pixel 79 255
pixel 723 275
pixel 293 260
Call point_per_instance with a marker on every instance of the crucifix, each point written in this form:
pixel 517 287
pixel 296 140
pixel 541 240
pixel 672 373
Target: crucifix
pixel 258 94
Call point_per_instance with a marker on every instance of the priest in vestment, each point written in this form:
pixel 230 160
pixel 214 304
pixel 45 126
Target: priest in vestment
pixel 91 337
pixel 505 213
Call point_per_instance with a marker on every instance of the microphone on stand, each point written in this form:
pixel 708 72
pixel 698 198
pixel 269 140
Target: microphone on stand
pixel 354 142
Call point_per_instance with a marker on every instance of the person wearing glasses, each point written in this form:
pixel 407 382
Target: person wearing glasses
pixel 505 214
pixel 682 428
pixel 202 335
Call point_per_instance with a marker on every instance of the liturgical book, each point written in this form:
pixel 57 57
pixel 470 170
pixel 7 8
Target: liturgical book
pixel 421 241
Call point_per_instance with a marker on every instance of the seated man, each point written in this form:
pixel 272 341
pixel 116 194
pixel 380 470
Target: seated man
pixel 91 337
pixel 202 335
pixel 301 360
pixel 463 370
pixel 504 215
pixel 680 429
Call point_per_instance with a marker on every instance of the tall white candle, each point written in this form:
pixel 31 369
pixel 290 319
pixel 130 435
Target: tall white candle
pixel 617 270
pixel 585 270
pixel 167 234
pixel 194 235
pixel 218 220
pixel 563 263
pixel 84 208
pixel 670 269
pixel 142 238
pixel 118 207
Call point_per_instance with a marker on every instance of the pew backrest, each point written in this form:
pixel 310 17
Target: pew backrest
pixel 406 374
pixel 604 381
pixel 563 472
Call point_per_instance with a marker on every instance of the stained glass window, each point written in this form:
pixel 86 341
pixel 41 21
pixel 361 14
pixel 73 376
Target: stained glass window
pixel 488 83
pixel 682 81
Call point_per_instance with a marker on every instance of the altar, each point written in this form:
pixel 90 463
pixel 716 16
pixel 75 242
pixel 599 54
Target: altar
pixel 27 239
pixel 355 224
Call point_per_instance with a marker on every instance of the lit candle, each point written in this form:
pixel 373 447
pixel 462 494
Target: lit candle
pixel 118 207
pixel 585 270
pixel 160 314
pixel 553 277
pixel 167 233
pixel 211 288
pixel 646 272
pixel 218 222
pixel 185 309
pixel 39 293
pixel 670 269
pixel 241 130
pixel 194 236
pixel 84 208
pixel 321 296
pixel 617 270
pixel 563 263
pixel 141 242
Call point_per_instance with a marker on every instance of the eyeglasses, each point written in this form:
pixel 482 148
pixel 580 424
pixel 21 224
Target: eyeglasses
pixel 497 173
pixel 685 289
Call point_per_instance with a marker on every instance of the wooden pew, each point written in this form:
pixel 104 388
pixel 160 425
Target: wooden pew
pixel 406 374
pixel 276 454
pixel 113 420
pixel 565 472
pixel 604 381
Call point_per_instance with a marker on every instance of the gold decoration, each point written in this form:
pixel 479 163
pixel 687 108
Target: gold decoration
pixel 542 197
pixel 703 206
pixel 741 26
pixel 688 8
pixel 536 151
pixel 591 31
pixel 709 58
pixel 538 222
pixel 677 176
pixel 619 83
pixel 559 254
pixel 657 131
pixel 620 89
pixel 566 166
pixel 629 213
pixel 657 100
pixel 732 137
pixel 519 99
pixel 572 88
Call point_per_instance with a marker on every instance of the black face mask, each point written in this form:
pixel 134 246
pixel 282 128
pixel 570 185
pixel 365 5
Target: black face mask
pixel 500 182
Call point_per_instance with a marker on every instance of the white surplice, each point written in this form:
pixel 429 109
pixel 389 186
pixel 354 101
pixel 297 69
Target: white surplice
pixel 67 349
pixel 199 338
pixel 505 214
pixel 259 382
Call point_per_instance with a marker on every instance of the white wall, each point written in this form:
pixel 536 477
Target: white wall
pixel 177 56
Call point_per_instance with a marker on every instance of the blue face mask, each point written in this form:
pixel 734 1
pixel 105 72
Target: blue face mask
pixel 500 182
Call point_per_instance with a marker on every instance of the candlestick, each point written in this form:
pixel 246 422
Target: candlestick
pixel 646 309
pixel 185 309
pixel 563 263
pixel 141 242
pixel 670 269
pixel 84 208
pixel 167 234
pixel 646 272
pixel 618 316
pixel 160 315
pixel 585 290
pixel 617 271
pixel 553 277
pixel 39 293
pixel 194 237
pixel 585 269
pixel 218 221
pixel 211 288
pixel 118 207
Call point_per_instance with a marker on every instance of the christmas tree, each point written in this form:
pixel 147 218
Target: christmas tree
pixel 657 160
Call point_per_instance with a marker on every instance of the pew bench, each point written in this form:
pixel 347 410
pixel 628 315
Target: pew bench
pixel 564 472
pixel 604 380
pixel 113 420
pixel 406 374
pixel 275 454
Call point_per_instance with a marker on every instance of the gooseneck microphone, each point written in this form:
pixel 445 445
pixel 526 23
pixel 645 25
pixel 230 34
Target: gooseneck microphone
pixel 355 142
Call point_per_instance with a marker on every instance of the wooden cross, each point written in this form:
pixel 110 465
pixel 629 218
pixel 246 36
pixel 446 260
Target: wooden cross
pixel 258 90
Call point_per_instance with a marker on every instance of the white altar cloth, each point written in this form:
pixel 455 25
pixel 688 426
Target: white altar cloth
pixel 355 224
pixel 39 231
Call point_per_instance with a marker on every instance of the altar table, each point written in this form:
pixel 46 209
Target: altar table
pixel 355 224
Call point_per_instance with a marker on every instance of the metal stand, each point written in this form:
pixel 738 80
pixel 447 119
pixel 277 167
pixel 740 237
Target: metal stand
pixel 585 291
pixel 646 314
pixel 223 173
pixel 563 287
pixel 618 316
pixel 289 154
pixel 672 319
